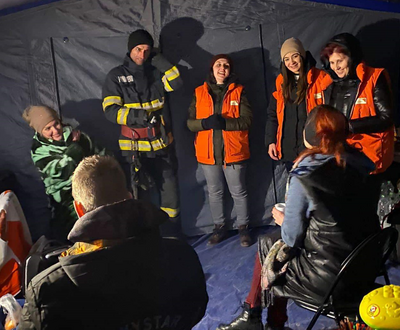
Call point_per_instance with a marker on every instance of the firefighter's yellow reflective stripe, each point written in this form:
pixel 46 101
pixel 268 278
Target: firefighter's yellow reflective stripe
pixel 133 105
pixel 172 73
pixel 172 213
pixel 167 86
pixel 162 120
pixel 143 145
pixel 110 100
pixel 149 106
pixel 122 115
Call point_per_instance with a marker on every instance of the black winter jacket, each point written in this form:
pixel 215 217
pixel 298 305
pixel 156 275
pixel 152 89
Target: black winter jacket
pixel 133 95
pixel 138 280
pixel 294 120
pixel 342 216
pixel 342 93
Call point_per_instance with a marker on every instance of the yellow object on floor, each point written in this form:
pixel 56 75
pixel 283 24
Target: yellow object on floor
pixel 380 309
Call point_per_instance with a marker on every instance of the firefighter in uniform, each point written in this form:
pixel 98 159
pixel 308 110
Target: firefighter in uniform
pixel 133 97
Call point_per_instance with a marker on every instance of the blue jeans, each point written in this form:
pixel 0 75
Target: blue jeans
pixel 235 176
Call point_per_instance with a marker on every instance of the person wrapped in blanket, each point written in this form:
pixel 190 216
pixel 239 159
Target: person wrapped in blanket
pixel 328 213
pixel 120 273
pixel 56 151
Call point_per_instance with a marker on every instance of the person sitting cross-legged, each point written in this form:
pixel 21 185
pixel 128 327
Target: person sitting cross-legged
pixel 120 273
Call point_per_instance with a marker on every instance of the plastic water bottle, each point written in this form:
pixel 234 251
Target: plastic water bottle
pixel 383 206
pixel 386 200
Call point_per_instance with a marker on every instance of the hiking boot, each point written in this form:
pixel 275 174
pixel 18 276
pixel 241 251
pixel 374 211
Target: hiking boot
pixel 249 319
pixel 245 239
pixel 218 235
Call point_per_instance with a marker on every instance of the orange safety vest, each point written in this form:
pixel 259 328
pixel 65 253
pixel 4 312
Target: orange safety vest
pixel 236 143
pixel 379 147
pixel 314 97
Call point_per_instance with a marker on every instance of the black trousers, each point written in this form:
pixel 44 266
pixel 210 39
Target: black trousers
pixel 162 171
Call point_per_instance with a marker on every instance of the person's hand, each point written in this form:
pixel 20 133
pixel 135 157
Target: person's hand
pixel 278 216
pixel 3 226
pixel 272 152
pixel 214 122
pixel 76 135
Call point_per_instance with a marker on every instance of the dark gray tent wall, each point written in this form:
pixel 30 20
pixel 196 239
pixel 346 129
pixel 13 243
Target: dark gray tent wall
pixel 69 46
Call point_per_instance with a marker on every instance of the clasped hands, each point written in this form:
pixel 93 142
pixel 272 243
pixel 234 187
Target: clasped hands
pixel 214 122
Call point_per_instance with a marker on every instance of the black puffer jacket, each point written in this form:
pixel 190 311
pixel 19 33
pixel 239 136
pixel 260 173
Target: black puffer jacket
pixel 342 93
pixel 137 281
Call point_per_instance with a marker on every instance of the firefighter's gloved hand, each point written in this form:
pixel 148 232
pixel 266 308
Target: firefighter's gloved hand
pixel 141 178
pixel 214 122
pixel 137 117
pixel 160 62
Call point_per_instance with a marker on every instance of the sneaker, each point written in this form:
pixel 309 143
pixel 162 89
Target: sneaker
pixel 218 235
pixel 245 239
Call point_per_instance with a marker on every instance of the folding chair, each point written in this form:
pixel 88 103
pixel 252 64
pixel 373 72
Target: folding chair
pixel 355 279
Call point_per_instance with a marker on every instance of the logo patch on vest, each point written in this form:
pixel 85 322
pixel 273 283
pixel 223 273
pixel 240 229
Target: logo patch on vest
pixel 318 96
pixel 361 100
pixel 234 103
pixel 125 79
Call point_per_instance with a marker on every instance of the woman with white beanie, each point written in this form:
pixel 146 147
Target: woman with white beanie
pixel 298 91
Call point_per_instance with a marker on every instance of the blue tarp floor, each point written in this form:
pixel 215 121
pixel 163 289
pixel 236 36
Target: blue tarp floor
pixel 228 268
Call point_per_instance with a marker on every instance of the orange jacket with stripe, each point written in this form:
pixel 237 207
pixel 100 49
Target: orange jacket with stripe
pixel 379 147
pixel 236 143
pixel 314 97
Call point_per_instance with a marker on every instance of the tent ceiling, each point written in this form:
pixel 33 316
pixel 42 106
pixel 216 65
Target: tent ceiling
pixel 7 4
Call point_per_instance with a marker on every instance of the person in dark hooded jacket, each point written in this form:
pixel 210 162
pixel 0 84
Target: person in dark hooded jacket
pixel 363 95
pixel 328 213
pixel 119 274
pixel 220 115
pixel 298 91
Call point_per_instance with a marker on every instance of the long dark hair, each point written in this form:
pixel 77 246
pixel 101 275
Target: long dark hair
pixel 289 82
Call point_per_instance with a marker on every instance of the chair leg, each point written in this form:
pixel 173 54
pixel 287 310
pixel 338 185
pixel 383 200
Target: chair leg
pixel 386 277
pixel 315 318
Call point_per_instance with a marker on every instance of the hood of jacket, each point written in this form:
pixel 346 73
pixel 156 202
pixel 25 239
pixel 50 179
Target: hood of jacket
pixel 121 220
pixel 133 228
pixel 323 171
pixel 353 47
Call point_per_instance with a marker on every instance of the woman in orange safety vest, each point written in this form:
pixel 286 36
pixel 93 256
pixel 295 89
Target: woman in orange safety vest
pixel 363 95
pixel 298 91
pixel 221 116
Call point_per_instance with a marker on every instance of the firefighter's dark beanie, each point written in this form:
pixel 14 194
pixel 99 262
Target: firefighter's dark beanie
pixel 139 37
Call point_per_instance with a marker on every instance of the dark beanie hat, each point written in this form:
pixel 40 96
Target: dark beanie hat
pixel 218 57
pixel 139 37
